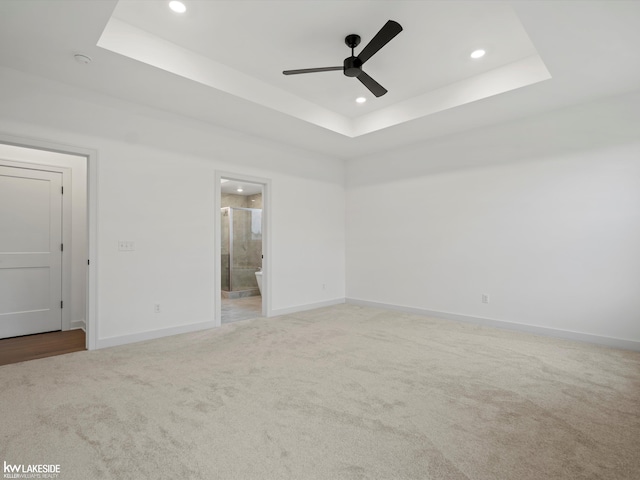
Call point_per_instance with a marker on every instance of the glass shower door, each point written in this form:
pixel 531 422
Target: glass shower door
pixel 225 263
pixel 246 247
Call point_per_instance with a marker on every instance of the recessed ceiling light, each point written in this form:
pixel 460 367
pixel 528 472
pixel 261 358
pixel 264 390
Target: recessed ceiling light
pixel 478 53
pixel 239 189
pixel 177 7
pixel 361 99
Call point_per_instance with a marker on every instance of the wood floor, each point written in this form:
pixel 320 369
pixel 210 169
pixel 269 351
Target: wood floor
pixel 30 347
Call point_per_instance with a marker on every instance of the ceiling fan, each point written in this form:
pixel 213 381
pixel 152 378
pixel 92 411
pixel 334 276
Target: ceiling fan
pixel 352 66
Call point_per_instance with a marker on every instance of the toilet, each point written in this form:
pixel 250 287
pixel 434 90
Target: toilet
pixel 259 280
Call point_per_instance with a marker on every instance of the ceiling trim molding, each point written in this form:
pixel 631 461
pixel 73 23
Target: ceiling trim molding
pixel 125 39
pixel 521 73
pixel 129 41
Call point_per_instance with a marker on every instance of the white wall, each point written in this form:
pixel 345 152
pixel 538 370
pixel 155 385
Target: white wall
pixel 156 187
pixel 315 253
pixel 541 214
pixel 550 230
pixel 76 246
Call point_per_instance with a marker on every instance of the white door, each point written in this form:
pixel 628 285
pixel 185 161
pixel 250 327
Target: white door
pixel 30 251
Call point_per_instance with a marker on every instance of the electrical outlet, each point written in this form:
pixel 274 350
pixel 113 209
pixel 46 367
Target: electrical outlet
pixel 324 286
pixel 485 298
pixel 156 308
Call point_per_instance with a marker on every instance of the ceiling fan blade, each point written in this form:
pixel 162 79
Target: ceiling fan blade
pixel 384 36
pixel 375 88
pixel 311 70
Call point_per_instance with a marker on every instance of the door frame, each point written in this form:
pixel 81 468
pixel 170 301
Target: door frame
pixel 66 229
pixel 266 240
pixel 91 156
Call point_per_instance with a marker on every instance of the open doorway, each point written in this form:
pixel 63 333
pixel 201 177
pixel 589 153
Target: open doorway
pixel 29 169
pixel 241 250
pixel 242 284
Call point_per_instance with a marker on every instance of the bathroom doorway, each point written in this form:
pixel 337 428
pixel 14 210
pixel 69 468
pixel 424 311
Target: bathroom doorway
pixel 241 250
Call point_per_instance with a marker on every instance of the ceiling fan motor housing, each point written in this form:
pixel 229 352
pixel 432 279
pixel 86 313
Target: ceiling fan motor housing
pixel 352 66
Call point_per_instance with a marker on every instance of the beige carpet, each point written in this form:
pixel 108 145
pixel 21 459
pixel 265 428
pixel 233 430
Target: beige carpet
pixel 338 393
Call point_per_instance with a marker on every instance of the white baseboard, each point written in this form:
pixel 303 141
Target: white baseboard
pixel 141 337
pixel 518 327
pixel 165 332
pixel 308 306
pixel 76 324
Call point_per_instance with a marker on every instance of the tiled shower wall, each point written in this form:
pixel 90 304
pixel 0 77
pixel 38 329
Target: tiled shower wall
pixel 244 201
pixel 248 254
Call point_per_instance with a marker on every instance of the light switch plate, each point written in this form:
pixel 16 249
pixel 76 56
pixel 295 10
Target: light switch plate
pixel 126 246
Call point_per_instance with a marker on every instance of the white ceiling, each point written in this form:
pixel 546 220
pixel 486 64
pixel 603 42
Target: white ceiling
pixel 211 44
pixel 231 186
pixel 233 53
